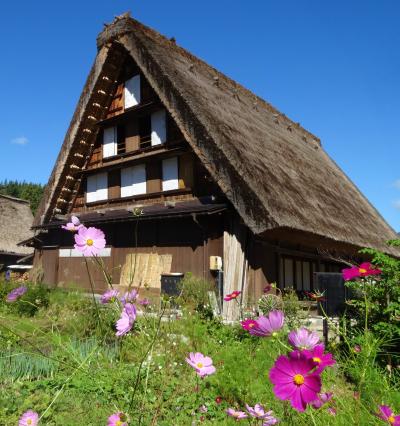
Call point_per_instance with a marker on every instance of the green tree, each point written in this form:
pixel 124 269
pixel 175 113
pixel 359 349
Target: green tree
pixel 29 191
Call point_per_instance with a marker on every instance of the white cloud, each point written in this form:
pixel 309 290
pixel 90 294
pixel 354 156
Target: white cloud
pixel 397 204
pixel 21 140
pixel 396 184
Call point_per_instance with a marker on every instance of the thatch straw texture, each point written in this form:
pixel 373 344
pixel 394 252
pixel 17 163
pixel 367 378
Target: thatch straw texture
pixel 275 173
pixel 15 225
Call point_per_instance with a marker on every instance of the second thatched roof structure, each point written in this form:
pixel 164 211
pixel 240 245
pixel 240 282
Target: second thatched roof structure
pixel 15 225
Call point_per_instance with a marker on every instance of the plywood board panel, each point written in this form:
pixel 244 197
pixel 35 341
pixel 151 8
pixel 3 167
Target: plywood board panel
pixel 144 269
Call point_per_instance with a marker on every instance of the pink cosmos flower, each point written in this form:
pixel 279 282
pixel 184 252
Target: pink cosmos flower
pixel 318 356
pixel 144 302
pixel 109 296
pixel 232 296
pixel 117 419
pixel 364 270
pixel 248 324
pixel 129 296
pixel 258 412
pixel 202 364
pixel 89 241
pixel 128 317
pixel 386 414
pixel 268 326
pixel 303 339
pixel 322 399
pixel 29 418
pixel 295 380
pixel 332 411
pixel 237 415
pixel 72 226
pixel 16 294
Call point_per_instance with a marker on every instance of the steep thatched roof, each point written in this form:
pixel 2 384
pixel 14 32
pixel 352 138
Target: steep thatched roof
pixel 15 225
pixel 275 173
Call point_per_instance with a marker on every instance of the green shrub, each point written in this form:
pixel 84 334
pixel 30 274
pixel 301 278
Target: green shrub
pixel 35 298
pixel 269 302
pixel 194 294
pixel 379 296
pixel 292 309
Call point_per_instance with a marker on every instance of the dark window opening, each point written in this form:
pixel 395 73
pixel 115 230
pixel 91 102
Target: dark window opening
pixel 145 131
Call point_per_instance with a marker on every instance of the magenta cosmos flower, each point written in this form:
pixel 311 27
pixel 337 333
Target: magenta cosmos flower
pixel 364 270
pixel 258 412
pixel 232 296
pixel 237 415
pixel 129 296
pixel 201 363
pixel 89 241
pixel 29 418
pixel 109 296
pixel 303 339
pixel 318 356
pixel 386 414
pixel 322 399
pixel 16 293
pixel 72 226
pixel 268 326
pixel 295 381
pixel 248 324
pixel 127 319
pixel 117 419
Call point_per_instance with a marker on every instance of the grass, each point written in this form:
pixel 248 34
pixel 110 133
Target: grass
pixel 61 364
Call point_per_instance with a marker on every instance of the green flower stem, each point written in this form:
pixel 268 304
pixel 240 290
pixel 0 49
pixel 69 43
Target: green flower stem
pixel 94 298
pixel 149 349
pixel 107 276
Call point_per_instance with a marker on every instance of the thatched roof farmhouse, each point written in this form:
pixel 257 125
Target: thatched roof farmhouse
pixel 283 196
pixel 15 226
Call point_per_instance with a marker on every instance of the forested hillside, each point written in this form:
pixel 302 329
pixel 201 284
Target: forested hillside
pixel 29 191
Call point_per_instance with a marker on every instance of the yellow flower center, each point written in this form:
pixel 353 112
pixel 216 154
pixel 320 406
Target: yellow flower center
pixel 29 422
pixel 199 365
pixel 252 324
pixel 89 242
pixel 118 423
pixel 316 359
pixel 391 420
pixel 298 379
pixel 362 270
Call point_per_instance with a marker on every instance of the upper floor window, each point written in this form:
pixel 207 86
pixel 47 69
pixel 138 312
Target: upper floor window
pixel 97 187
pixel 132 91
pixel 170 179
pixel 158 127
pixel 110 142
pixel 133 180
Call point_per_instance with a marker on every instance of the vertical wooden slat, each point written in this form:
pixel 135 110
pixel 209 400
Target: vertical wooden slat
pixel 186 170
pixel 235 267
pixel 132 138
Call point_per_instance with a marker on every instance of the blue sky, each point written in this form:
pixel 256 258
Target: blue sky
pixel 332 66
